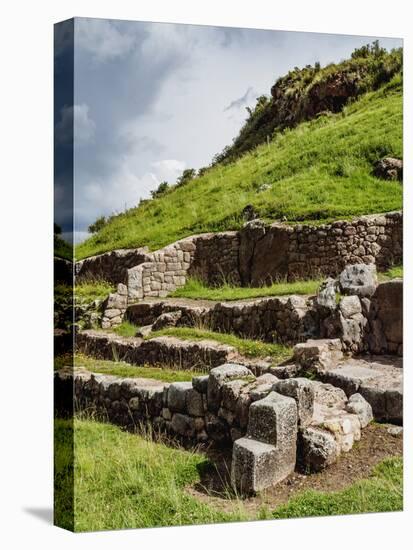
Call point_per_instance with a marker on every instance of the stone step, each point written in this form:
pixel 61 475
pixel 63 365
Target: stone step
pixel 378 379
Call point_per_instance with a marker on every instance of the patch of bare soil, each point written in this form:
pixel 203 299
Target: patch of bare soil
pixel 376 444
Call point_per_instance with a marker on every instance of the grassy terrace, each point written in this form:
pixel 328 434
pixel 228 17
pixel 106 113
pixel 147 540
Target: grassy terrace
pixel 321 170
pixel 197 290
pixel 119 368
pixel 246 347
pixel 123 480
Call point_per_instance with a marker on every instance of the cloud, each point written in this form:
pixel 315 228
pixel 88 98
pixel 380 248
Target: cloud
pixel 249 96
pixel 124 190
pixel 84 126
pixel 168 170
pixel 102 39
pixel 150 99
pixel 75 125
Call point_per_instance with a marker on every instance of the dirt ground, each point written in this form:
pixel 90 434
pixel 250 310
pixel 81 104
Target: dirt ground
pixel 376 444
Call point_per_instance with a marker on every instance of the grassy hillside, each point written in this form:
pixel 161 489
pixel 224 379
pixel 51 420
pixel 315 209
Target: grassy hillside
pixel 320 170
pixel 303 94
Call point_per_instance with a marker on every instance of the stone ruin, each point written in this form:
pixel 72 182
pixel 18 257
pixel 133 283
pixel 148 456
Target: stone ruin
pixel 305 412
pixel 346 368
pixel 272 423
pixel 256 255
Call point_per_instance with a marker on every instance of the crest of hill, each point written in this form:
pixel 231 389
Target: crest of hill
pixel 315 171
pixel 305 93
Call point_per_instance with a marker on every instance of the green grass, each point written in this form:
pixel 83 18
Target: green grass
pixel 84 292
pixel 93 291
pixel 127 481
pixel 125 370
pixel 381 492
pixel 246 347
pixel 123 480
pixel 198 290
pixel 125 329
pixel 394 272
pixel 321 170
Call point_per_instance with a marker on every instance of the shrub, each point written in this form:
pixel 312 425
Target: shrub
pixel 187 175
pixel 97 225
pixel 161 190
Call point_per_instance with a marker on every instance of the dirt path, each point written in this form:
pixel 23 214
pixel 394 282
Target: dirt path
pixel 376 445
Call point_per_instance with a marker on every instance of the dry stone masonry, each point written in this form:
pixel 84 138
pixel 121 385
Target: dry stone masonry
pixel 110 266
pixel 272 424
pixel 345 368
pixel 257 254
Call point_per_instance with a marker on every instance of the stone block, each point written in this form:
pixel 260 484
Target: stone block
pixel 183 425
pixel 165 320
pixel 319 355
pixel 359 279
pixel 194 403
pixel 349 306
pixel 200 383
pixel 231 392
pixel 216 428
pixel 254 466
pixel 217 378
pixel 273 420
pixel 302 391
pixel 359 406
pixel 177 393
pixel 317 449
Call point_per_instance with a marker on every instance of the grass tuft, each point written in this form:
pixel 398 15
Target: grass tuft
pixel 393 273
pixel 125 329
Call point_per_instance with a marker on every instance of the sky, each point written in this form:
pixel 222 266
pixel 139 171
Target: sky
pixel 151 99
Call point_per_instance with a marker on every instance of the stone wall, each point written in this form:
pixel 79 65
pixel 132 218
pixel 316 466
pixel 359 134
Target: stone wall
pixel 303 251
pixel 259 254
pixel 164 350
pixel 384 332
pixel 266 418
pixel 369 324
pixel 110 266
pixel 213 257
pixel 286 319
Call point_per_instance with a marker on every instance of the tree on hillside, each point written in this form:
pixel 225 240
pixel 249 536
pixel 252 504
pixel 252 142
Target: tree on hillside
pixel 187 175
pixel 97 225
pixel 161 190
